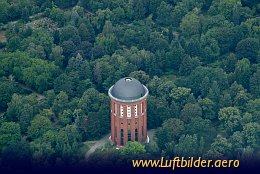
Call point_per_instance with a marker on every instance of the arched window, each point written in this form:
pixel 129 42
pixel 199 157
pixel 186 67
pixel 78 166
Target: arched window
pixel 136 135
pixel 122 137
pixel 115 109
pixel 129 135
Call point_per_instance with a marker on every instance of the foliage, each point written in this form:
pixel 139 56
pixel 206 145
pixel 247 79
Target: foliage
pixel 188 146
pixel 231 117
pixel 133 148
pixel 17 155
pixel 10 133
pixel 7 89
pixel 39 126
pixel 198 58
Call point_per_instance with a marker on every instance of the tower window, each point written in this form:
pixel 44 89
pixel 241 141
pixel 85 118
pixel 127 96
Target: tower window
pixel 121 111
pixel 142 107
pixel 136 135
pixel 142 131
pixel 135 110
pixel 129 135
pixel 128 111
pixel 122 137
pixel 115 108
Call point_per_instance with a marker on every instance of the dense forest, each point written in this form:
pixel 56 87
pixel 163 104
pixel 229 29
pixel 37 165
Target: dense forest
pixel 200 60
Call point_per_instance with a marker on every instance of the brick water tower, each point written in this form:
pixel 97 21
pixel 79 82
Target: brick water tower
pixel 128 111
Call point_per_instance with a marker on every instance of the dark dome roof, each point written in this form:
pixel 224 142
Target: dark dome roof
pixel 128 88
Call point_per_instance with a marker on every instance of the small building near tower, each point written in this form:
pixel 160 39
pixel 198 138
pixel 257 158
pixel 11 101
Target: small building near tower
pixel 128 111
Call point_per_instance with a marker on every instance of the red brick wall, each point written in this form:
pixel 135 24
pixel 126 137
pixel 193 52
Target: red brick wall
pixel 126 124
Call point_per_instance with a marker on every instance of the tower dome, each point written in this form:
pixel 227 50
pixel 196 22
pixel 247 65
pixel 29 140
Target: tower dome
pixel 128 88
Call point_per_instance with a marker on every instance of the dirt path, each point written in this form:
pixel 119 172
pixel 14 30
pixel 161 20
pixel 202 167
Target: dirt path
pixel 151 133
pixel 101 143
pixel 2 37
pixel 97 144
pixel 40 96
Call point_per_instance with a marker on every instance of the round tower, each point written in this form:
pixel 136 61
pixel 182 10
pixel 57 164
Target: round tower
pixel 128 111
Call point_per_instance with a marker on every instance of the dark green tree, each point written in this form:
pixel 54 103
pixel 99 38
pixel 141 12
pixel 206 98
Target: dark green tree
pixel 60 103
pixel 214 92
pixel 190 23
pixel 207 106
pixel 141 76
pixel 65 3
pixel 56 56
pixel 26 116
pixel 38 127
pixel 225 100
pixel 248 48
pixel 188 146
pixel 17 155
pixel 7 89
pixel 174 58
pixel 164 14
pixel 189 111
pixel 22 109
pixel 133 148
pixel 10 133
pixel 180 95
pixel 195 79
pixel 251 133
pixel 203 128
pixel 68 48
pixel 243 72
pixel 188 65
pixel 237 141
pixel 171 130
pixel 84 32
pixel 219 149
pixel 231 118
pixel 138 9
pixel 255 84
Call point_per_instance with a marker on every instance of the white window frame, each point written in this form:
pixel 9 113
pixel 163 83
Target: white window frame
pixel 121 111
pixel 135 110
pixel 128 111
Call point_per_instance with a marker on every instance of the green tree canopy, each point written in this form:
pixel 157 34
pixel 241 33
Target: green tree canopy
pixel 133 148
pixel 39 126
pixel 231 118
pixel 190 23
pixel 10 133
